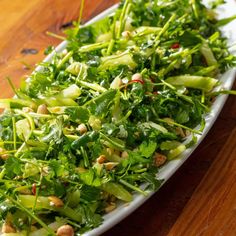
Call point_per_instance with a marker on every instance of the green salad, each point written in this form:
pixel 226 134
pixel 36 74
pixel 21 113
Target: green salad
pixel 96 123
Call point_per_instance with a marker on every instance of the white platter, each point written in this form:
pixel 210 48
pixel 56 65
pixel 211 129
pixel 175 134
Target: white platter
pixel 169 169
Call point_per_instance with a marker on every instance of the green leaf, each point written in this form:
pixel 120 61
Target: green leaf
pixel 100 104
pixel 13 166
pixel 80 114
pixel 89 178
pixel 147 148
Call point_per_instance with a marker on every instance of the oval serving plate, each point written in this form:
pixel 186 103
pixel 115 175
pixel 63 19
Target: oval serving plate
pixel 170 168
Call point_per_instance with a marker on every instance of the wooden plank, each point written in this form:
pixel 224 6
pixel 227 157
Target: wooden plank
pixel 25 26
pixel 211 209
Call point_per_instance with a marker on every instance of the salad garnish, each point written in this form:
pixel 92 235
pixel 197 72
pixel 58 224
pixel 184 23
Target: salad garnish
pixel 94 124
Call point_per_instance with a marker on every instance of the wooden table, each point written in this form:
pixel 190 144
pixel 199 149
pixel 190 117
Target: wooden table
pixel 200 199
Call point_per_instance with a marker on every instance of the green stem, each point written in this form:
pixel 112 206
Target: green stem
pixel 133 187
pixel 55 35
pixel 179 125
pixel 110 47
pixel 93 86
pixel 14 131
pixel 2 173
pixel 12 86
pixel 64 59
pixel 164 29
pixel 28 212
pixel 114 143
pixel 85 157
pixel 122 17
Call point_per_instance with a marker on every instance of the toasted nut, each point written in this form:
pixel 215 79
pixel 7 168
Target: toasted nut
pixel 55 201
pixel 126 34
pixel 7 228
pixel 180 132
pixel 42 109
pixel 5 155
pixel 187 133
pixel 110 207
pixel 27 109
pixel 101 159
pixel 65 230
pixel 82 129
pixel 169 121
pixel 159 159
pixel 124 154
pixel 137 76
pixel 110 165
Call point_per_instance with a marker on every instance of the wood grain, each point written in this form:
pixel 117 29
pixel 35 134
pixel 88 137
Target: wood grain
pixel 212 208
pixel 23 26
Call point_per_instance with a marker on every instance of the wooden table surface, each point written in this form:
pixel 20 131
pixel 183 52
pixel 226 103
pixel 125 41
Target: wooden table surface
pixel 200 199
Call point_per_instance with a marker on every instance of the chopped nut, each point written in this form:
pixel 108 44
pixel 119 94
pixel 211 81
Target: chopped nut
pixel 183 133
pixel 187 133
pixel 65 230
pixel 169 121
pixel 137 76
pixel 126 34
pixel 110 207
pixel 159 159
pixel 124 154
pixel 3 156
pixel 55 201
pixel 179 131
pixel 101 159
pixel 42 109
pixel 110 165
pixel 82 129
pixel 27 109
pixel 7 228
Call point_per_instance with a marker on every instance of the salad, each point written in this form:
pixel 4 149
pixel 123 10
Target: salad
pixel 96 123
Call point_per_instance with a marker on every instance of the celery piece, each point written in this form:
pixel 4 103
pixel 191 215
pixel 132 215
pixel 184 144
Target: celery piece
pixel 173 153
pixel 117 190
pixel 23 130
pixel 124 58
pixel 30 201
pixel 193 81
pixel 73 92
pixel 208 54
pixel 78 68
pixel 16 103
pixel 168 145
pixel 93 47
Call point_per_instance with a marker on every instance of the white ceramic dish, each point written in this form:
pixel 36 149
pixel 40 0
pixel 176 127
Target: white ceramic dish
pixel 169 169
